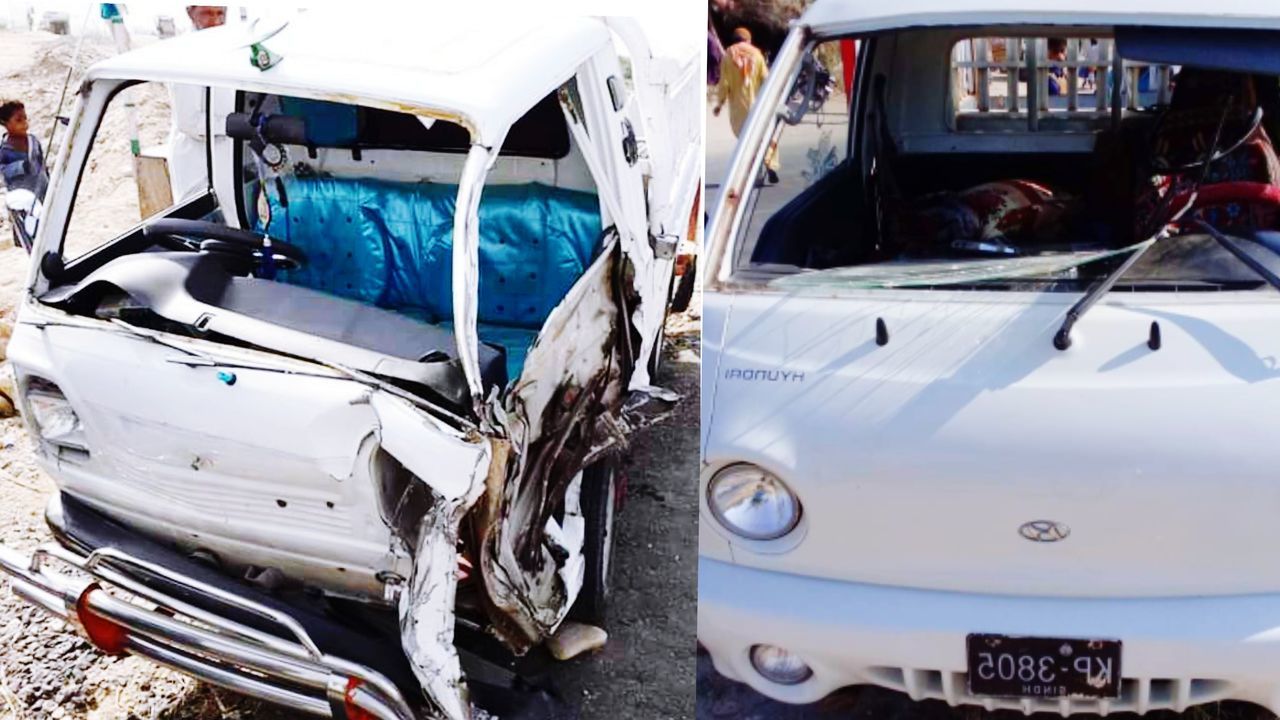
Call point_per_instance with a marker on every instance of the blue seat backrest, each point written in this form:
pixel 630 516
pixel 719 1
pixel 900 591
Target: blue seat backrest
pixel 391 244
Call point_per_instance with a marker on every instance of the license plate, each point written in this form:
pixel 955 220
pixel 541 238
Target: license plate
pixel 1004 666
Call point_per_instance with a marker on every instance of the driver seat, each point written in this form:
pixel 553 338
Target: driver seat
pixel 1199 99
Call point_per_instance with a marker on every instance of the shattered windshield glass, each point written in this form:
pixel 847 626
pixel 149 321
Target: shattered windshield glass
pixel 930 273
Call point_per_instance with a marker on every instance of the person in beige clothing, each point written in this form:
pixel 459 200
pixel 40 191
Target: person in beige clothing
pixel 742 72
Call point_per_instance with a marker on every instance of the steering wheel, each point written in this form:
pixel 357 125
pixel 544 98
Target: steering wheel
pixel 1167 161
pixel 243 251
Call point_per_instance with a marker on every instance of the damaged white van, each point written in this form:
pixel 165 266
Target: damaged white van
pixel 349 412
pixel 989 386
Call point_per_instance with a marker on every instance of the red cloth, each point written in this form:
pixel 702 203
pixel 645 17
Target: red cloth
pixel 849 59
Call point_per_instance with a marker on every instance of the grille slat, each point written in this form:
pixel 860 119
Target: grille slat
pixel 952 687
pixel 1137 695
pixel 1144 696
pixel 910 678
pixel 1182 694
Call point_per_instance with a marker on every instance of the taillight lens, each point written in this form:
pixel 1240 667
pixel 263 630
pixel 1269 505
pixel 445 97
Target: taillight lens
pixel 353 711
pixel 105 635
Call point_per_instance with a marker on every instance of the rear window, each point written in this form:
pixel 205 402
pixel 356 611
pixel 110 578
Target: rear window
pixel 1048 83
pixel 540 133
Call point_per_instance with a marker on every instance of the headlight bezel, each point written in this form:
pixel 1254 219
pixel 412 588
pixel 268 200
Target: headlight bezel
pixel 52 417
pixel 775 484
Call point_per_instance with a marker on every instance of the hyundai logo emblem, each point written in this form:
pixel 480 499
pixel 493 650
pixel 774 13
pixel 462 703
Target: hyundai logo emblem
pixel 1044 531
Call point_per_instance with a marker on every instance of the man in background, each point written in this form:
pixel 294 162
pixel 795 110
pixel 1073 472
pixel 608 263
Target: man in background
pixel 1057 75
pixel 742 72
pixel 188 166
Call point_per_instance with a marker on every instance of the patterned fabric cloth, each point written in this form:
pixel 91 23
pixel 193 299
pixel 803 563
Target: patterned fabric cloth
pixel 1004 213
pixel 1200 99
pixel 1254 161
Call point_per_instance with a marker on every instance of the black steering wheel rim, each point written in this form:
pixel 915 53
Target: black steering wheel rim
pixel 243 259
pixel 1161 167
pixel 228 243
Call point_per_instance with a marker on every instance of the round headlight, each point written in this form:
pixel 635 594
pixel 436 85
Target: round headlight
pixel 779 666
pixel 752 502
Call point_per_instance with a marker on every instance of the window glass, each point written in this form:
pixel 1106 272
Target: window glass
pixel 806 151
pixel 993 79
pixel 144 157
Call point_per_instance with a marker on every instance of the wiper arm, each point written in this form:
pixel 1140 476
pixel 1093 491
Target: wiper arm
pixel 1062 340
pixel 1229 243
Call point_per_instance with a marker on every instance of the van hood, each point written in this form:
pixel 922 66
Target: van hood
pixel 918 461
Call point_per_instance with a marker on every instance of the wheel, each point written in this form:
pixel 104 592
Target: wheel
pixel 684 290
pixel 599 501
pixel 660 343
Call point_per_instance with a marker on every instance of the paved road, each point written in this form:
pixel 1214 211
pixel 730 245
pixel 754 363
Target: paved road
pixel 647 669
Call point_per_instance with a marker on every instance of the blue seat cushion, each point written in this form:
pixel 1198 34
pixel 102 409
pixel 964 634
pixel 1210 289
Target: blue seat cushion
pixel 391 244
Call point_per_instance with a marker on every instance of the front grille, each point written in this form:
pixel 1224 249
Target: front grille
pixel 1138 695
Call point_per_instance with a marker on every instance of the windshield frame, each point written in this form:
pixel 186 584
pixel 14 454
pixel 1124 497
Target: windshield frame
pixel 729 246
pixel 727 226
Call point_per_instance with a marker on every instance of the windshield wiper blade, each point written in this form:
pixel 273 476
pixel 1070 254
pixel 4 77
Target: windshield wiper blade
pixel 1228 242
pixel 1062 340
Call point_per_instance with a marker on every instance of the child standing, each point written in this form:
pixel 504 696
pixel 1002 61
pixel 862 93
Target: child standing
pixel 21 154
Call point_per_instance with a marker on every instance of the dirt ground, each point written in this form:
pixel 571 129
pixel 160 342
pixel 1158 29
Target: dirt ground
pixel 645 670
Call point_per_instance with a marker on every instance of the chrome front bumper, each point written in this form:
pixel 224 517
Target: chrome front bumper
pixel 290 672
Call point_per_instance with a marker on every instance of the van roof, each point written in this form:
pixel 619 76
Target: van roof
pixel 857 16
pixel 483 76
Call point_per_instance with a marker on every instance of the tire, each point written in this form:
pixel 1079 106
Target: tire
pixel 599 506
pixel 684 291
pixel 654 364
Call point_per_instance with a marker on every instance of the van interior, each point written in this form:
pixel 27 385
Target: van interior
pixel 345 237
pixel 999 143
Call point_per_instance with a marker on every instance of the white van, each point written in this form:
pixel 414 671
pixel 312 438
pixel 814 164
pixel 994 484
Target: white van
pixel 990 380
